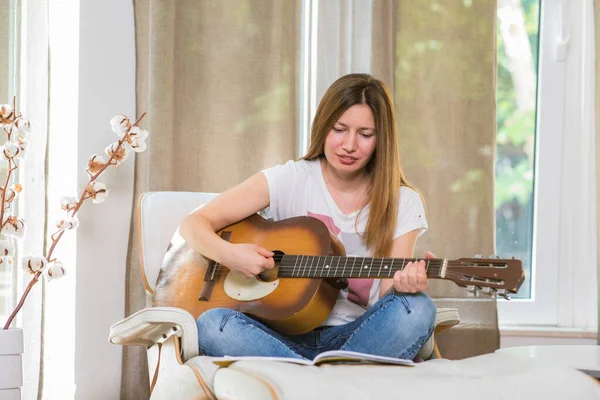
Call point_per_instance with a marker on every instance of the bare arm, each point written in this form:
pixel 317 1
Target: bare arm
pixel 414 277
pixel 198 229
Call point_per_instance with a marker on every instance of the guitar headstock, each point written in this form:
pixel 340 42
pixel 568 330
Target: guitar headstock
pixel 488 275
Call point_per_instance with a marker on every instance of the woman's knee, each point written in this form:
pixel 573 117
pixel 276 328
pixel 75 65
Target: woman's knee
pixel 420 308
pixel 211 321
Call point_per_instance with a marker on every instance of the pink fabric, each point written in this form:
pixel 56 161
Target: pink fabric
pixel 359 291
pixel 327 220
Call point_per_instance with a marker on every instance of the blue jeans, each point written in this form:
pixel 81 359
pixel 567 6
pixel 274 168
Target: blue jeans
pixel 396 326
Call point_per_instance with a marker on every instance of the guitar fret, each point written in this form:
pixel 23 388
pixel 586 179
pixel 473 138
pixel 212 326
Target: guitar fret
pixel 304 266
pixel 338 264
pixel 345 263
pixel 380 265
pixel 352 268
pixel 371 266
pixel 327 266
pixel 360 267
pixel 295 264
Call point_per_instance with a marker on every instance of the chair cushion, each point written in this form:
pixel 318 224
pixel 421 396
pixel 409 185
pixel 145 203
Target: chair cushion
pixel 490 376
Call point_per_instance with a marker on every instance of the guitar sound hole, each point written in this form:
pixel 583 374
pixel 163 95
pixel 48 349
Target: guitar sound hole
pixel 271 275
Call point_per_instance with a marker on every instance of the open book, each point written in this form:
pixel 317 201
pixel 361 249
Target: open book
pixel 333 356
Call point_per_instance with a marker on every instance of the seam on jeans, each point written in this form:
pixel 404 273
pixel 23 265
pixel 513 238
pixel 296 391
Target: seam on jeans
pixel 344 337
pixel 385 305
pixel 417 346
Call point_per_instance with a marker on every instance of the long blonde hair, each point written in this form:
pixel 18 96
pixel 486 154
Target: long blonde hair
pixel 384 170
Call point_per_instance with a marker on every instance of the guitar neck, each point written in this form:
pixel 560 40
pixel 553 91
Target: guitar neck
pixel 306 266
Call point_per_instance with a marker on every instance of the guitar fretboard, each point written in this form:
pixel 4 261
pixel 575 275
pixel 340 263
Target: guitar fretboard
pixel 306 266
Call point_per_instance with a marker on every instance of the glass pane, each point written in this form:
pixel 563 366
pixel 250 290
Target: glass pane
pixel 518 32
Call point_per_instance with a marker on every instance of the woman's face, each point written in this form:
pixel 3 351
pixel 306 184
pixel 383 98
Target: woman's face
pixel 351 142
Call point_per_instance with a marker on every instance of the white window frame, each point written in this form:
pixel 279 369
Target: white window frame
pixel 564 270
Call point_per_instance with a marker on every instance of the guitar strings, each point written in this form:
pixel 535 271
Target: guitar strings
pixel 435 269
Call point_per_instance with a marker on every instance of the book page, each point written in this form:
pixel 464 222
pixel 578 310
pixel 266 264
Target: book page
pixel 333 356
pixel 352 356
pixel 228 360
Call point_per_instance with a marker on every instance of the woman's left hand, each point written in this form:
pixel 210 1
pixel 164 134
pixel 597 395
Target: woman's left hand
pixel 413 278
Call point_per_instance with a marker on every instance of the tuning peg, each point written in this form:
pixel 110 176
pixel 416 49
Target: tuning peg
pixel 477 256
pixel 504 293
pixel 474 289
pixel 486 290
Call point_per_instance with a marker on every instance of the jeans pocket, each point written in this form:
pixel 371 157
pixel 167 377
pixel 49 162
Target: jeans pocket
pixel 225 319
pixel 405 302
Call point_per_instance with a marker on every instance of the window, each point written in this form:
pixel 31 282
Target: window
pixel 546 187
pixel 517 58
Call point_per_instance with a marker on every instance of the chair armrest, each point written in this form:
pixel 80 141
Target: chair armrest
pixel 446 318
pixel 154 325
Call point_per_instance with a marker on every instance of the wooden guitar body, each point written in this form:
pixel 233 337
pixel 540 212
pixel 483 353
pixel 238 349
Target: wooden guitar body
pixel 295 306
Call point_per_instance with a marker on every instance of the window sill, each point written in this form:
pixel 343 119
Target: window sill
pixel 547 331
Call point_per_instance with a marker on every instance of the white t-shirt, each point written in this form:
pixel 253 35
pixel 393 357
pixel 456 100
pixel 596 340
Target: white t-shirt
pixel 297 188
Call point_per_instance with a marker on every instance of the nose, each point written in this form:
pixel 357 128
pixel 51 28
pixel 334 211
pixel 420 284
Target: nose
pixel 349 143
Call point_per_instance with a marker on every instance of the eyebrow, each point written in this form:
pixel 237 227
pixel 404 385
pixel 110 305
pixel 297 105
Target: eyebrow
pixel 360 129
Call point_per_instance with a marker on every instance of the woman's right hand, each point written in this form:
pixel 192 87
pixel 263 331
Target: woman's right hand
pixel 248 259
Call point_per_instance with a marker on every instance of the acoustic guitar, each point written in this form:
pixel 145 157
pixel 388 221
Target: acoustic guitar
pixel 310 267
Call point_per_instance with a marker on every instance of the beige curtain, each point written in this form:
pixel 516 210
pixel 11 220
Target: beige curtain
pixel 219 82
pixel 442 70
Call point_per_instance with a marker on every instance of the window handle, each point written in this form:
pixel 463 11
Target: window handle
pixel 563 31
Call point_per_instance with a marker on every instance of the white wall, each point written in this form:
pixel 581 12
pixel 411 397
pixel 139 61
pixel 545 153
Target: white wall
pixel 106 88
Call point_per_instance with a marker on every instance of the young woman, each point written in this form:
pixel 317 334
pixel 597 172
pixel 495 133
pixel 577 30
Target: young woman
pixel 350 179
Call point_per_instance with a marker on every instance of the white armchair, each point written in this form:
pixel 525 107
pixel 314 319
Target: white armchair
pixel 177 371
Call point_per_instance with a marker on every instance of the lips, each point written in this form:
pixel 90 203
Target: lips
pixel 347 160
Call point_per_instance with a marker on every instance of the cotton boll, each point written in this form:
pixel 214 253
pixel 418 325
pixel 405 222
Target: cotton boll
pixel 120 124
pixel 10 150
pixel 95 164
pixel 97 191
pixel 67 224
pixel 23 144
pixel 137 139
pixel 5 110
pixel 68 203
pixel 32 264
pixel 22 126
pixel 14 227
pixel 55 271
pixel 117 152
